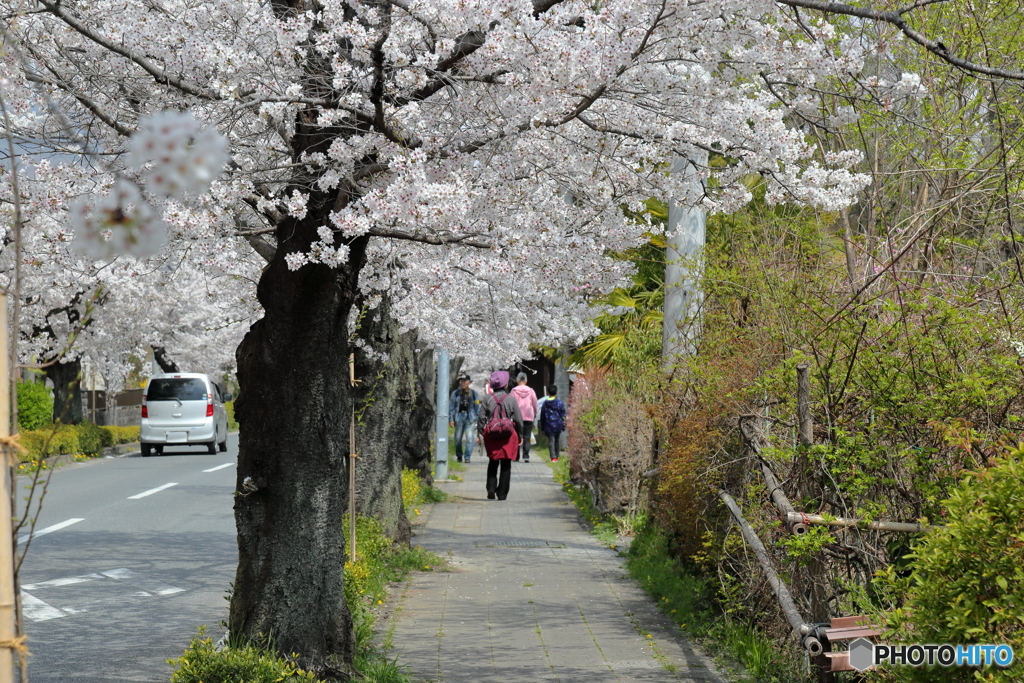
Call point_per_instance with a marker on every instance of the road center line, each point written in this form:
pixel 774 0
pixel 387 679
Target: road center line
pixel 219 467
pixel 49 529
pixel 151 491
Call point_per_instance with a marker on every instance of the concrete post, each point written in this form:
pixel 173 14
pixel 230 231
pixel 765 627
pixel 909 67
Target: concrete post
pixel 441 438
pixel 687 225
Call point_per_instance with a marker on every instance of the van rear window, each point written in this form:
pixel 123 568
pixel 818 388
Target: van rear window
pixel 181 388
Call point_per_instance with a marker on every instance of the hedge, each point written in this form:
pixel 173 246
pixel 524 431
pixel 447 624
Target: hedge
pixel 84 439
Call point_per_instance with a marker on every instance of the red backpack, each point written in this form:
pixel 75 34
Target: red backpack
pixel 499 426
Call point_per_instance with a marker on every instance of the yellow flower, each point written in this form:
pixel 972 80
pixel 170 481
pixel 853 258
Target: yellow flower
pixel 427 567
pixel 380 602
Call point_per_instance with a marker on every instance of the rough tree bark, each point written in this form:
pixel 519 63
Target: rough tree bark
pixel 67 391
pixel 293 412
pixel 385 399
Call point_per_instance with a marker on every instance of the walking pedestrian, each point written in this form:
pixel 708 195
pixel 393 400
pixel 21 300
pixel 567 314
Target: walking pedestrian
pixel 464 405
pixel 552 421
pixel 501 440
pixel 526 399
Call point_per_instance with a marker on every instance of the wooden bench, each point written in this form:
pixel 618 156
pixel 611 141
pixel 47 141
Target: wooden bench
pixel 847 628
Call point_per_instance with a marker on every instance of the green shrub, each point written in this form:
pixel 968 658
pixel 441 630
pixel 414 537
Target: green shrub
pixel 90 439
pixel 33 443
pixel 85 439
pixel 106 437
pixel 966 579
pixel 204 663
pixel 411 486
pixel 229 406
pixel 124 434
pixel 35 405
pixel 65 440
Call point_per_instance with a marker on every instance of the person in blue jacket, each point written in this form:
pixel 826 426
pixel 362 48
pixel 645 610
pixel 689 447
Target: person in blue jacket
pixel 463 410
pixel 552 421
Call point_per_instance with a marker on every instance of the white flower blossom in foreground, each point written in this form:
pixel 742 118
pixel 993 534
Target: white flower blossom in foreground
pixel 177 156
pixel 119 222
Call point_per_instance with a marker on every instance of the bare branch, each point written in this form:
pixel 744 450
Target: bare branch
pixel 896 19
pixel 84 101
pixel 437 238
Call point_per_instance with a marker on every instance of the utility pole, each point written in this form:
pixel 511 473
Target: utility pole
pixel 687 226
pixel 8 607
pixel 441 438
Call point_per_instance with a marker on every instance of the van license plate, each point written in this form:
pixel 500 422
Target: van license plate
pixel 177 437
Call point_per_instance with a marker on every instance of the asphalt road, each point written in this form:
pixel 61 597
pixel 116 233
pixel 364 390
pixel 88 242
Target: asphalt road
pixel 130 556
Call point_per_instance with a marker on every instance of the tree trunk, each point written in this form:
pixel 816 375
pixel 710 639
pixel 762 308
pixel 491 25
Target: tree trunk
pixel 291 492
pixel 418 454
pixel 162 359
pixel 385 404
pixel 67 391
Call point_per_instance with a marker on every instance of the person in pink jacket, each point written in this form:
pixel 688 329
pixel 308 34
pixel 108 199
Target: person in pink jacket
pixel 526 399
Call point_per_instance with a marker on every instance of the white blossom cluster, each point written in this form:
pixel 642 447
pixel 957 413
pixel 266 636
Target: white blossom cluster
pixel 489 146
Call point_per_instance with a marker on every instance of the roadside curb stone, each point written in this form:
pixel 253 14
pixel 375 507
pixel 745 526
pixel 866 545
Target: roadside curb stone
pixel 530 596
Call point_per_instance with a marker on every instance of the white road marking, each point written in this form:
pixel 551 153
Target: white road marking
pixel 66 581
pixel 50 529
pixel 37 610
pixel 219 467
pixel 152 491
pixel 139 581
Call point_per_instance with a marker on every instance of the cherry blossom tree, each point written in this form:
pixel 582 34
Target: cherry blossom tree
pixel 471 160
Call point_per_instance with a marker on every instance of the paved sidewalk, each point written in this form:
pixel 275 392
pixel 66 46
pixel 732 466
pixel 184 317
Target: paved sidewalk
pixel 532 596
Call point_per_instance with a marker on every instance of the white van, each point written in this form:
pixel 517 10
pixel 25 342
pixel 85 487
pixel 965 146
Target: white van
pixel 183 409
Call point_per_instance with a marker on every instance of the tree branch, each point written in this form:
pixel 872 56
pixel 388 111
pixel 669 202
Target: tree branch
pixel 159 74
pixel 439 238
pixel 896 19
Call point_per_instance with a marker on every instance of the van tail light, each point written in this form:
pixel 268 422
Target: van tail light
pixel 145 413
pixel 209 408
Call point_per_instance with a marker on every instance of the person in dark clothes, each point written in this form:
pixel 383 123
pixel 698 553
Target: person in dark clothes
pixel 552 421
pixel 464 406
pixel 501 450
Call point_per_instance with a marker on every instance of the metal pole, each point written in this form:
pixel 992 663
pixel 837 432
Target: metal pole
pixel 441 438
pixel 352 461
pixel 7 604
pixel 796 526
pixel 801 629
pixel 902 527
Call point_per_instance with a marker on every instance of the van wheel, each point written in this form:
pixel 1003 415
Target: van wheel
pixel 211 447
pixel 147 450
pixel 223 445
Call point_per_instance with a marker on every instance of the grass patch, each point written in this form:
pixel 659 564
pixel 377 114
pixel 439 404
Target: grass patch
pixel 689 599
pixel 605 528
pixel 684 594
pixel 378 562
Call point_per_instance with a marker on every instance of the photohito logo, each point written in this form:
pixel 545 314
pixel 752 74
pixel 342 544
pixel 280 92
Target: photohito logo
pixel 864 654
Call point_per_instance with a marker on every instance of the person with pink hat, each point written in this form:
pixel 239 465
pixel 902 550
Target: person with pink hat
pixel 501 440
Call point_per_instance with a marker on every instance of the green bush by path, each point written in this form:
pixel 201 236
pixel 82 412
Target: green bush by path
pixel 965 582
pixel 204 663
pixel 35 405
pixel 82 439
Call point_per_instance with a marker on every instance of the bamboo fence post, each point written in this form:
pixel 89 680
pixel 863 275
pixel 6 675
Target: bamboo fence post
pixel 8 634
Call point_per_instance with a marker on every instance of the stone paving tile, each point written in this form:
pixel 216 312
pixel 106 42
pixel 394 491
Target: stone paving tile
pixel 531 596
